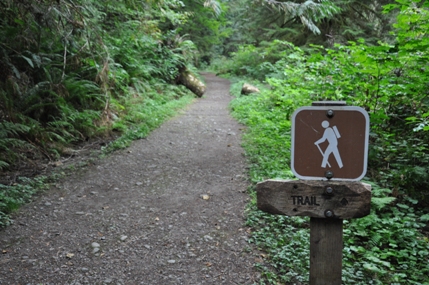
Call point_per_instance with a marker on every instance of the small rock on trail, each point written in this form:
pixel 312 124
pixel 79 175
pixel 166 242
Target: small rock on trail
pixel 139 216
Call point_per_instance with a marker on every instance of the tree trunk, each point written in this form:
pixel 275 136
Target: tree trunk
pixel 191 82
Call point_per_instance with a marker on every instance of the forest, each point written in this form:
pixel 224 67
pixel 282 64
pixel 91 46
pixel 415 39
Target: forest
pixel 74 71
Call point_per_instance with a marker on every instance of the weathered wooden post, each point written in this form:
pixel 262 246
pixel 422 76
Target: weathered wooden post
pixel 329 156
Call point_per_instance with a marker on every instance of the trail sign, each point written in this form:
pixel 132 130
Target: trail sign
pixel 330 143
pixel 317 199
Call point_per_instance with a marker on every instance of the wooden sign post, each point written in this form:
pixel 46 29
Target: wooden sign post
pixel 327 203
pixel 329 155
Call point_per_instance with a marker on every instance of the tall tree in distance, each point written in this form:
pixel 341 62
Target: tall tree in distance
pixel 256 21
pixel 322 22
pixel 358 19
pixel 309 13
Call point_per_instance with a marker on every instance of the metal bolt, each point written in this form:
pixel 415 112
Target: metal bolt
pixel 329 190
pixel 329 213
pixel 329 174
pixel 330 113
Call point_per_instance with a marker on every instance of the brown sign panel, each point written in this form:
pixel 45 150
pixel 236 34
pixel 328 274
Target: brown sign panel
pixel 330 142
pixel 317 199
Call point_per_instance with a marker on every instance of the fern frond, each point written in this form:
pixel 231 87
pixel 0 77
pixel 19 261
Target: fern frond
pixel 308 12
pixel 375 239
pixel 9 143
pixel 380 203
pixel 3 165
pixel 8 153
pixel 9 128
pixel 214 5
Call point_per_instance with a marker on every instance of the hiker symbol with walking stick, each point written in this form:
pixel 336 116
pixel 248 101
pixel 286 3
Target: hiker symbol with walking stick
pixel 331 135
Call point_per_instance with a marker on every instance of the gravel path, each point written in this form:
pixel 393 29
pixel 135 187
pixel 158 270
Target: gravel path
pixel 167 210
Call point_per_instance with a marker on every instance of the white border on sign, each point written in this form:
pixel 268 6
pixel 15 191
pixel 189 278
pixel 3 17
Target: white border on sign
pixel 334 108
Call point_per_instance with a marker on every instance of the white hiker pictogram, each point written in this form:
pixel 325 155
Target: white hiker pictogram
pixel 331 135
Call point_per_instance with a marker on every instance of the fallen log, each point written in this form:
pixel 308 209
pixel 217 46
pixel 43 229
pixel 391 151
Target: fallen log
pixel 248 89
pixel 190 81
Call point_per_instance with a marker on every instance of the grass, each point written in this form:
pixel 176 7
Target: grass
pixel 145 113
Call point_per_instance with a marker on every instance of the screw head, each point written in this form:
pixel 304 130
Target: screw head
pixel 329 213
pixel 329 174
pixel 329 190
pixel 330 113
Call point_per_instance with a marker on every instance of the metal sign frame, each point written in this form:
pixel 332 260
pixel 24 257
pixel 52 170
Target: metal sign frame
pixel 333 110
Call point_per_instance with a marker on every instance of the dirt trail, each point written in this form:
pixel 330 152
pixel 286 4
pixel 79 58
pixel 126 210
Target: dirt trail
pixel 141 215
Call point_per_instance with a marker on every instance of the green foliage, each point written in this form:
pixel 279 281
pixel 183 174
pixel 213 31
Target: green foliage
pixel 309 12
pixel 8 133
pixel 305 22
pixel 286 242
pixel 13 196
pixel 64 62
pixel 74 69
pixel 267 145
pixel 39 54
pixel 388 80
pixel 255 62
pixel 142 114
pixel 205 30
pixel 385 247
pixel 214 5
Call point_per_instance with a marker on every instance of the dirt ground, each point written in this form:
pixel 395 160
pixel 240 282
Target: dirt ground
pixel 167 210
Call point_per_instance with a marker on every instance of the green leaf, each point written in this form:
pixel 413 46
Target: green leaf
pixel 30 62
pixel 371 267
pixel 19 21
pixel 3 164
pixel 424 218
pixel 403 206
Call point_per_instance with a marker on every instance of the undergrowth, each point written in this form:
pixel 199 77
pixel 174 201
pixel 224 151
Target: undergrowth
pixel 146 114
pixel 391 245
pixel 141 115
pixel 386 247
pixel 72 71
pixel 19 193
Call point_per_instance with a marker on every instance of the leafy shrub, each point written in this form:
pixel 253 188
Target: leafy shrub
pixel 12 197
pixel 9 132
pixel 67 65
pixel 385 247
pixel 382 79
pixel 254 62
